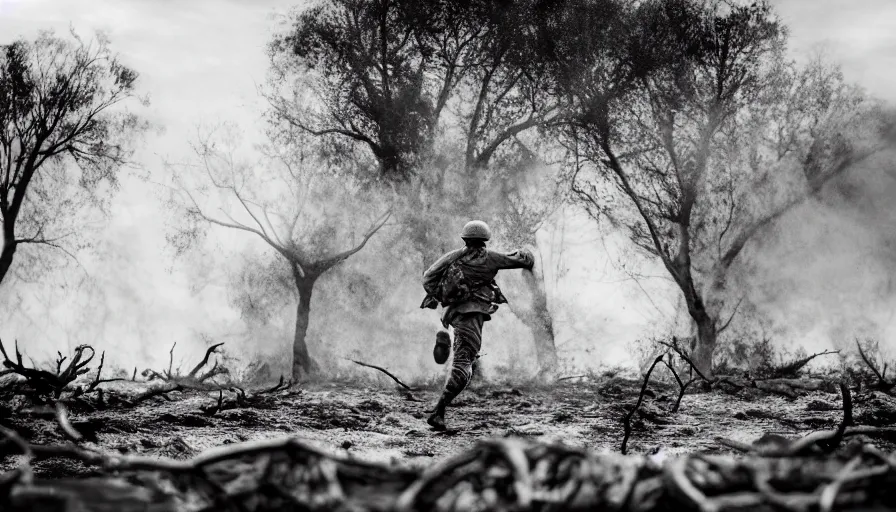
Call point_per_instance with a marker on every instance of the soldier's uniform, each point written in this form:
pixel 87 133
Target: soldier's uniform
pixel 467 315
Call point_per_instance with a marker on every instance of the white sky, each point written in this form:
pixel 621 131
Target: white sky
pixel 201 60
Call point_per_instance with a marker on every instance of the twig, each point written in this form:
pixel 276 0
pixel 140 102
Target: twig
pixel 681 353
pixel 627 422
pixel 402 384
pixel 171 360
pixel 682 386
pixel 882 383
pixel 280 386
pixel 160 391
pixel 830 446
pixel 93 386
pixel 61 359
pixel 571 377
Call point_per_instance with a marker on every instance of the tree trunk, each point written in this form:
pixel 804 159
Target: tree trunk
pixel 540 322
pixel 706 341
pixel 9 249
pixel 303 365
pixel 704 316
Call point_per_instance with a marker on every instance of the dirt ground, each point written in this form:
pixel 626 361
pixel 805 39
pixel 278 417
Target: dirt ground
pixel 389 424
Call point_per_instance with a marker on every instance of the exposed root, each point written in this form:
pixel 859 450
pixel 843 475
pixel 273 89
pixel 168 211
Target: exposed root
pixel 44 386
pixel 282 385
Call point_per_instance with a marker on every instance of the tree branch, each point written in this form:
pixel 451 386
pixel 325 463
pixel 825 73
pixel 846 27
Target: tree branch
pixel 327 263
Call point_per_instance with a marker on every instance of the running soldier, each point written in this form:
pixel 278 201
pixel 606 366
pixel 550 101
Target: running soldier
pixel 463 282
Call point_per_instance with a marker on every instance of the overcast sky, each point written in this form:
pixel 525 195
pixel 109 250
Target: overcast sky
pixel 202 60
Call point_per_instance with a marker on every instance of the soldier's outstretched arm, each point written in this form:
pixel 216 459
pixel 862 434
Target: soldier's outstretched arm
pixel 520 258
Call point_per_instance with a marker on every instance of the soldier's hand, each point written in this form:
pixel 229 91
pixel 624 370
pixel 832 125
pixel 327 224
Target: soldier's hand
pixel 529 256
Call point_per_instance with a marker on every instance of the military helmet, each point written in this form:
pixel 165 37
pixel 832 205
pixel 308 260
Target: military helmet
pixel 476 230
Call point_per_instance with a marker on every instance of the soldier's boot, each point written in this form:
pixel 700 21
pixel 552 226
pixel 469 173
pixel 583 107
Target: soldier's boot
pixel 437 419
pixel 443 347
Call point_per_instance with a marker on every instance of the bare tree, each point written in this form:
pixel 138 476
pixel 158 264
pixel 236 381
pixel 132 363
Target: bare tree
pixel 701 135
pixel 64 136
pixel 309 215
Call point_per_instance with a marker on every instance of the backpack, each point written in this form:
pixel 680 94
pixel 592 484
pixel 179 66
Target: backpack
pixel 454 287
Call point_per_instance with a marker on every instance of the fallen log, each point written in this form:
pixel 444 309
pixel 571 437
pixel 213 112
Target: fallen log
pixel 507 474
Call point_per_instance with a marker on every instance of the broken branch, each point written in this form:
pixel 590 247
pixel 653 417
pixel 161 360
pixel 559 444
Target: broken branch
pixel 204 361
pixel 402 384
pixel 627 421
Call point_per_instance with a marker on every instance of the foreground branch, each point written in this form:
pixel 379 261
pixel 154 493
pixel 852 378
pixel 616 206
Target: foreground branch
pixel 506 474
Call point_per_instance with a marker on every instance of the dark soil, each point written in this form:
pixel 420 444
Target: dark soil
pixel 387 424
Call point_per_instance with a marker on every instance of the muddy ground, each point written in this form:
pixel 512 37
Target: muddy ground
pixel 389 424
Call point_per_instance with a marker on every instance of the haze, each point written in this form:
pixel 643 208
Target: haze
pixel 201 62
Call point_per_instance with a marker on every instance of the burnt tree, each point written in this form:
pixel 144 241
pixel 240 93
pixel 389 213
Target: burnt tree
pixel 294 203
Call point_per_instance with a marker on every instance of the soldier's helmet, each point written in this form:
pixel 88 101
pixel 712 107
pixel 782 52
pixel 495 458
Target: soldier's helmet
pixel 476 230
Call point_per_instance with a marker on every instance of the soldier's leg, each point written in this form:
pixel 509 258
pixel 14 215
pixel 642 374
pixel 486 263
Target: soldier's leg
pixel 467 342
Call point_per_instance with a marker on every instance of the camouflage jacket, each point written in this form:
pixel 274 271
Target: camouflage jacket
pixel 480 266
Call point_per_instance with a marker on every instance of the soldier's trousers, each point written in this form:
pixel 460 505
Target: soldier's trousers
pixel 467 342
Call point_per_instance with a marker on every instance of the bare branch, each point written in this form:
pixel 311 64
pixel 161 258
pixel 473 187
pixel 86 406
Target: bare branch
pixel 393 377
pixel 730 317
pixel 204 361
pixel 338 258
pixel 627 421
